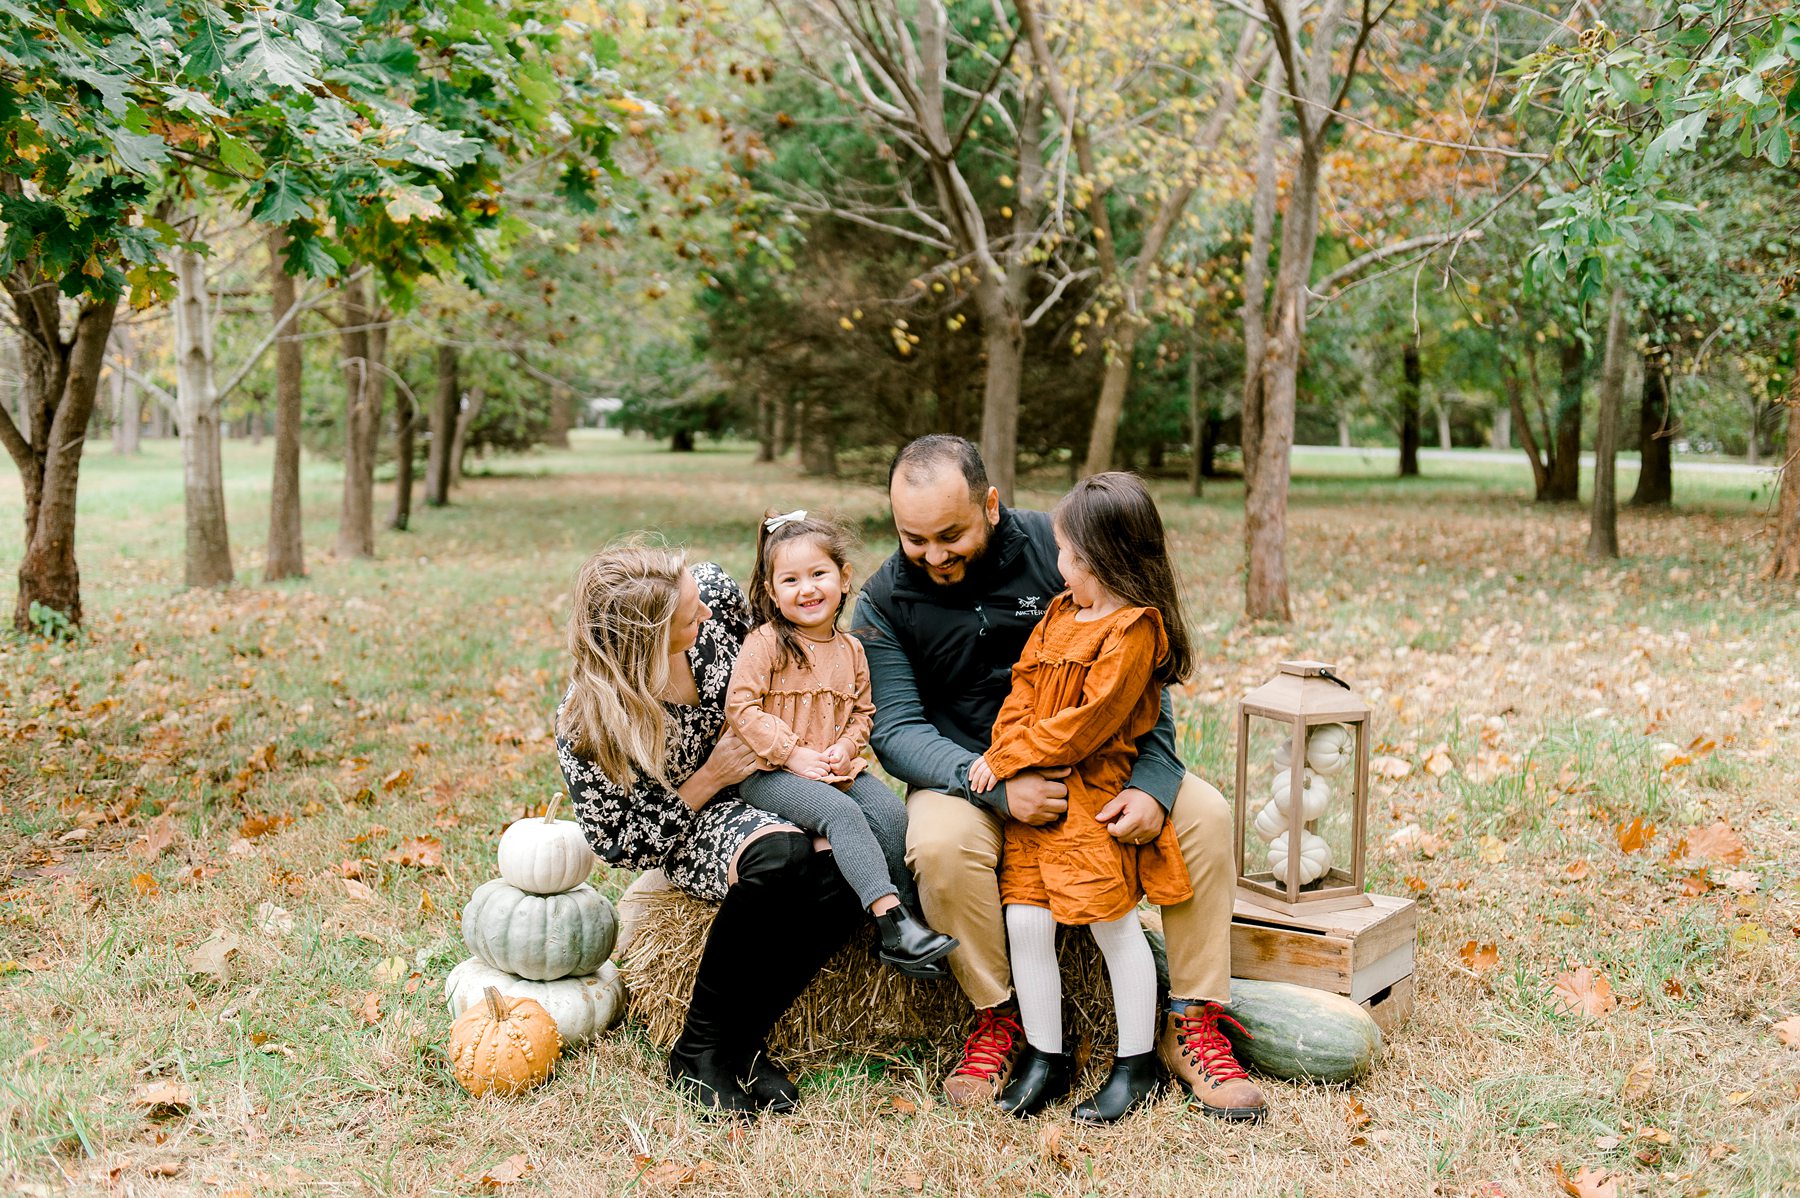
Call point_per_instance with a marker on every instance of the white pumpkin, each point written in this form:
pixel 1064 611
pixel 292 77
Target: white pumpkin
pixel 1315 858
pixel 1270 822
pixel 545 856
pixel 1284 754
pixel 1330 748
pixel 539 936
pixel 1315 796
pixel 583 1007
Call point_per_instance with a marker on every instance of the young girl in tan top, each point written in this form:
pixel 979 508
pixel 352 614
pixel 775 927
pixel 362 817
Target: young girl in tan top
pixel 1087 686
pixel 800 699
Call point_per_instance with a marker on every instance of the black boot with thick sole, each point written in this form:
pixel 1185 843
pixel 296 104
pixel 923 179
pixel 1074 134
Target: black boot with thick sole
pixel 1039 1079
pixel 911 947
pixel 1133 1082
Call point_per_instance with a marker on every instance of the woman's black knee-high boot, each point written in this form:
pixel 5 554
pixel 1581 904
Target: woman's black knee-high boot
pixel 734 978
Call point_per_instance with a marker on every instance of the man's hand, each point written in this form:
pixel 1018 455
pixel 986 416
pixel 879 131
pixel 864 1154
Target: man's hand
pixel 1133 817
pixel 1038 796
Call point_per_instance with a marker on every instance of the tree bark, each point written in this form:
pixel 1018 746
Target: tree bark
pixel 1656 435
pixel 765 428
pixel 287 551
pixel 1256 266
pixel 1343 431
pixel 1411 377
pixel 1500 437
pixel 128 398
pixel 406 420
pixel 207 560
pixel 459 440
pixel 1196 422
pixel 1446 440
pixel 1521 420
pixel 818 443
pixel 562 416
pixel 1603 525
pixel 61 383
pixel 1784 563
pixel 356 518
pixel 1564 483
pixel 1003 336
pixel 444 411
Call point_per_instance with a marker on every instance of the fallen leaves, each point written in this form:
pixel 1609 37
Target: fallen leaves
pixel 1438 762
pixel 362 892
pixel 1583 992
pixel 513 1169
pixel 145 885
pixel 1492 850
pixel 1635 835
pixel 161 1099
pixel 1788 1031
pixel 1587 1182
pixel 1636 1087
pixel 419 852
pixel 158 838
pixel 1716 843
pixel 213 957
pixel 272 920
pixel 1480 958
pixel 1391 768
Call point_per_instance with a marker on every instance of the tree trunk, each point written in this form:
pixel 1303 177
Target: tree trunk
pixel 356 518
pixel 1445 440
pixel 1500 436
pixel 61 383
pixel 681 440
pixel 1785 562
pixel 1343 431
pixel 1196 422
pixel 406 418
pixel 128 398
pixel 1115 381
pixel 1656 469
pixel 207 561
pixel 1753 444
pixel 818 443
pixel 562 416
pixel 1515 399
pixel 1603 525
pixel 1256 266
pixel 287 553
pixel 444 411
pixel 765 428
pixel 1411 376
pixel 787 420
pixel 1565 458
pixel 459 441
pixel 1003 335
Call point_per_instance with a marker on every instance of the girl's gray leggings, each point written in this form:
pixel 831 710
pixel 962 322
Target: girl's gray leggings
pixel 866 828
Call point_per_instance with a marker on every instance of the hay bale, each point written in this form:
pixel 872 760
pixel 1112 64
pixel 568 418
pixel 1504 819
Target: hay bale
pixel 856 1004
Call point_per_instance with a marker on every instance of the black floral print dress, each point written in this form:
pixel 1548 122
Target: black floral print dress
pixel 648 825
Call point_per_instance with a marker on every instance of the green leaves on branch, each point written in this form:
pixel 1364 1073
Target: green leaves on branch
pixel 379 131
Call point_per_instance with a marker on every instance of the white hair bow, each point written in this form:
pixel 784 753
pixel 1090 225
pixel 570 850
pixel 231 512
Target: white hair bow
pixel 775 522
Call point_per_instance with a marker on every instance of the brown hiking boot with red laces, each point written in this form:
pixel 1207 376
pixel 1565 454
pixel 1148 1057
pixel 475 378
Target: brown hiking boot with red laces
pixel 1194 1050
pixel 987 1059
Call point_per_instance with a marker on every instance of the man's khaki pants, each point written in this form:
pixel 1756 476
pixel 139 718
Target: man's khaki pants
pixel 953 847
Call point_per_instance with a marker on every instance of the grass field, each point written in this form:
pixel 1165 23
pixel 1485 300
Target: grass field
pixel 254 762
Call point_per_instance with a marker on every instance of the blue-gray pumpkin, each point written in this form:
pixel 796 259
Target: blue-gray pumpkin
pixel 539 936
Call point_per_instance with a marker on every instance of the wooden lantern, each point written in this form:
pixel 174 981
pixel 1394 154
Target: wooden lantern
pixel 1302 791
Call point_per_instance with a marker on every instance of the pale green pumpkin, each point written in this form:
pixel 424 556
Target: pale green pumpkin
pixel 539 936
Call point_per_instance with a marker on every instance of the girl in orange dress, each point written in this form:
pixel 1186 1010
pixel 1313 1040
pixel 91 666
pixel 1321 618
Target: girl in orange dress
pixel 1087 686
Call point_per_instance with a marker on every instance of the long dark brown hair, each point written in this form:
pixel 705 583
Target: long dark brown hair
pixel 838 542
pixel 1112 524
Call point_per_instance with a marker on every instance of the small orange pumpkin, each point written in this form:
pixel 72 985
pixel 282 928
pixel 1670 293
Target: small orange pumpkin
pixel 503 1044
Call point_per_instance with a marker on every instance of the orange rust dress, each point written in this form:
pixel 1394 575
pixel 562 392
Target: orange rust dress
pixel 1083 693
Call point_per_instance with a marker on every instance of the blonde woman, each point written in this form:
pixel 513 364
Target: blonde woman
pixel 652 644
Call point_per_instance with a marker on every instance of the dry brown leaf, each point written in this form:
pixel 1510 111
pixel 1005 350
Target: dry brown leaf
pixel 913 1181
pixel 1438 762
pixel 394 781
pixel 1356 1115
pixel 1050 1148
pixel 371 1009
pixel 420 852
pixel 1654 1135
pixel 213 957
pixel 163 1097
pixel 360 891
pixel 1492 850
pixel 1480 957
pixel 1717 843
pixel 1575 871
pixel 512 1169
pixel 273 920
pixel 1788 1031
pixel 1635 835
pixel 1695 884
pixel 158 838
pixel 1742 881
pixel 902 1106
pixel 145 885
pixel 1638 1081
pixel 263 825
pixel 1587 1182
pixel 1583 992
pixel 1391 768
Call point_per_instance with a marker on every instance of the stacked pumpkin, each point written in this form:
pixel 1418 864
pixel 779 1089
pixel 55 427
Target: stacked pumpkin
pixel 539 931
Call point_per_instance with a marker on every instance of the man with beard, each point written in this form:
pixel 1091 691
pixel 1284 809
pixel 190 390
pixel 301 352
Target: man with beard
pixel 942 622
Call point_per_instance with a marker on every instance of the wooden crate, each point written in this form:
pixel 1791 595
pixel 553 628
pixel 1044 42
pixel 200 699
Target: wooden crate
pixel 1391 1006
pixel 1360 951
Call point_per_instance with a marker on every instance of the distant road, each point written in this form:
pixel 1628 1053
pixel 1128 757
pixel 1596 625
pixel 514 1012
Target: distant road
pixel 1386 454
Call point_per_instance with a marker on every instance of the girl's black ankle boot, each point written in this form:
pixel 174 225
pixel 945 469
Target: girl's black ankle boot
pixel 1039 1079
pixel 1132 1082
pixel 911 947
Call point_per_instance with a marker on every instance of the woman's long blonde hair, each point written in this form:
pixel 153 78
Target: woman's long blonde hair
pixel 625 601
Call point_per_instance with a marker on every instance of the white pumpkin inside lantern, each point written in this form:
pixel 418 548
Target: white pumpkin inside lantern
pixel 1315 796
pixel 1315 857
pixel 1330 748
pixel 1270 822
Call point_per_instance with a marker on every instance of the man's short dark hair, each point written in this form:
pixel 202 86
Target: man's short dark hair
pixel 921 458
